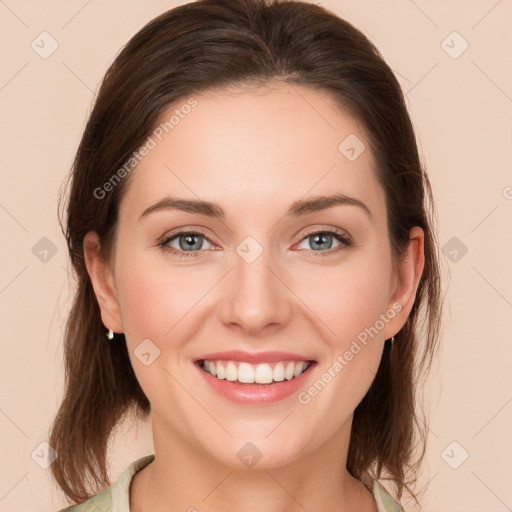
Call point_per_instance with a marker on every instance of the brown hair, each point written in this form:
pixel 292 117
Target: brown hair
pixel 221 43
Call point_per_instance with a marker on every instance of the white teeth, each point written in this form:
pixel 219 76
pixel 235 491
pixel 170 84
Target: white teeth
pixel 220 371
pixel 231 372
pixel 279 372
pixel 255 373
pixel 263 374
pixel 246 373
pixel 290 369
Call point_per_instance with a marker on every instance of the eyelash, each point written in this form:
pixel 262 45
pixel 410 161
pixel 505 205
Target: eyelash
pixel 345 242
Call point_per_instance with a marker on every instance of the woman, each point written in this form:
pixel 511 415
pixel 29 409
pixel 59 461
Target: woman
pixel 252 230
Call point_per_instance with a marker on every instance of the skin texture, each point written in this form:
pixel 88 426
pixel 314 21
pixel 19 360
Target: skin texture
pixel 254 152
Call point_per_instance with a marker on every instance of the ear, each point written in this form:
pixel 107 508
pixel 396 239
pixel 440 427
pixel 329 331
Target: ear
pixel 103 282
pixel 405 283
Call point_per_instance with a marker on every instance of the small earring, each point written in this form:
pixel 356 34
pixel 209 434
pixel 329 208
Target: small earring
pixel 110 334
pixel 392 339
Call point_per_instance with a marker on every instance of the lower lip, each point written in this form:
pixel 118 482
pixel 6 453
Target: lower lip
pixel 256 394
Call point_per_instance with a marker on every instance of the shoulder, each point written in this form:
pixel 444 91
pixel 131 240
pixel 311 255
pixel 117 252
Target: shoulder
pixel 385 503
pixel 115 498
pixel 101 501
pixel 384 500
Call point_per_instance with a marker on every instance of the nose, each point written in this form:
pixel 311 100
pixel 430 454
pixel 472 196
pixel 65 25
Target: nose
pixel 256 299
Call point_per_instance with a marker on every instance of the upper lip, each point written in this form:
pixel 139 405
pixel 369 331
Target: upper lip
pixel 253 357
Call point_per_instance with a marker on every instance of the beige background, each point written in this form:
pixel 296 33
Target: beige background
pixel 461 108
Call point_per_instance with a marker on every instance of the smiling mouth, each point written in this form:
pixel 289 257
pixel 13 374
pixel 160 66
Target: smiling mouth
pixel 246 373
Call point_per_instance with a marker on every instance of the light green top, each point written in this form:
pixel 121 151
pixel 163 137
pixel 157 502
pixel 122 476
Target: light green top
pixel 116 498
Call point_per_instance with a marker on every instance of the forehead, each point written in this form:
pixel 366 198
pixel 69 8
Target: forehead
pixel 261 148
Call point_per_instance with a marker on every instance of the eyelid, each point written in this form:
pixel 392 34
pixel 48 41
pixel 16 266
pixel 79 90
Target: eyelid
pixel 343 237
pixel 184 230
pixel 327 229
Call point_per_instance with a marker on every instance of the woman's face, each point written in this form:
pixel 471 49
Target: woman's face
pixel 256 279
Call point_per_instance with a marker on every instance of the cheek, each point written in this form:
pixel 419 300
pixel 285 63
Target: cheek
pixel 348 301
pixel 157 304
pixel 350 305
pixel 159 301
pixel 348 298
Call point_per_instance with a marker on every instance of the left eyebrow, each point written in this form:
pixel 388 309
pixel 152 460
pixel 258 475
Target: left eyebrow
pixel 296 209
pixel 319 203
